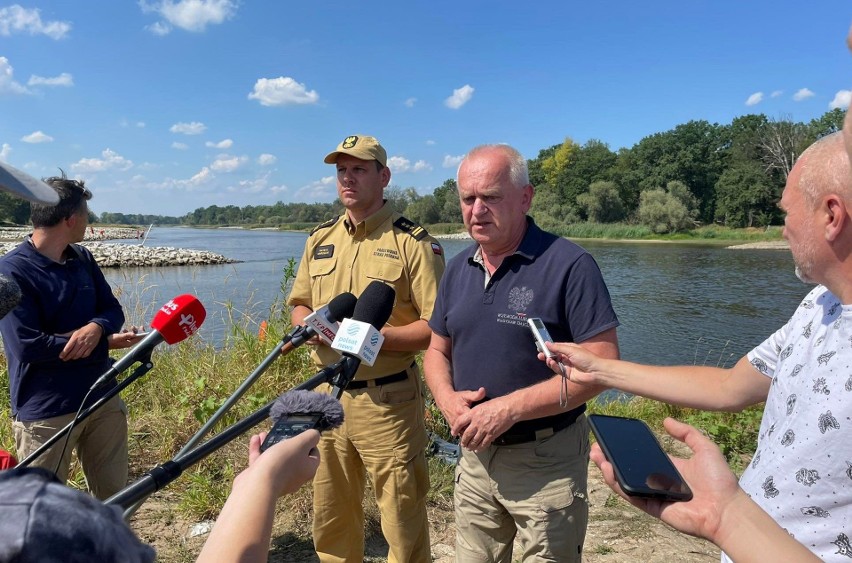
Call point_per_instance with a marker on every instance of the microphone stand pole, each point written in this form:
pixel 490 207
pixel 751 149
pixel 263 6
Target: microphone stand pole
pixel 281 349
pixel 165 473
pixel 137 373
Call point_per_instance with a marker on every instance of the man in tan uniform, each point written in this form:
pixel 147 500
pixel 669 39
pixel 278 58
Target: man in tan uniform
pixel 384 434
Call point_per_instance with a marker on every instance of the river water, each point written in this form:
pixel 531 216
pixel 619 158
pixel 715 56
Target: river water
pixel 678 303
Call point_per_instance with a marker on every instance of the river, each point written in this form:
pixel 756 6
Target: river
pixel 678 303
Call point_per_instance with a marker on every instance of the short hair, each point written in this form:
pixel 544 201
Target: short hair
pixel 73 195
pixel 518 172
pixel 826 169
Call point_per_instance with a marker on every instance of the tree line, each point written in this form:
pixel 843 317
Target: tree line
pixel 696 173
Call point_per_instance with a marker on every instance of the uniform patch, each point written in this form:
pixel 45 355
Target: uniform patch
pixel 350 142
pixel 326 251
pixel 386 253
pixel 436 248
pixel 410 227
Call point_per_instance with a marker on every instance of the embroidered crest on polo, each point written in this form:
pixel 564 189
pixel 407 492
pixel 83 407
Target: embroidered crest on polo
pixel 520 298
pixel 350 142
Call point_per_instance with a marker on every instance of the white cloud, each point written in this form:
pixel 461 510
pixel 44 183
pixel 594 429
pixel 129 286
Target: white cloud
pixel 111 161
pixel 803 94
pixel 282 91
pixel 422 165
pixel 399 164
pixel 140 124
pixel 193 128
pixel 776 93
pixel 754 99
pixel 430 142
pixel 180 146
pixel 227 163
pixel 452 161
pixel 37 137
pixel 64 79
pixel 256 186
pixel 841 99
pixel 16 19
pixel 320 190
pixel 409 103
pixel 5 149
pixel 267 159
pixel 190 15
pixel 460 97
pixel 7 80
pixel 225 144
pixel 203 177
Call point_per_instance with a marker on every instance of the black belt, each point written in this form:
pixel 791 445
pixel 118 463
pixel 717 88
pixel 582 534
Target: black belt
pixel 548 427
pixel 392 378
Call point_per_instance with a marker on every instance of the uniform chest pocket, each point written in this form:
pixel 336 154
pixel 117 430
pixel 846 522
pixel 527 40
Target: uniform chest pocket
pixel 391 273
pixel 322 279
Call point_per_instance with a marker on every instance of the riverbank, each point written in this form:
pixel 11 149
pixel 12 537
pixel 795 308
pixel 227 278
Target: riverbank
pixel 112 255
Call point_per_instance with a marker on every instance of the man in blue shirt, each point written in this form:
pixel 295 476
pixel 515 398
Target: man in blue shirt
pixel 525 448
pixel 57 342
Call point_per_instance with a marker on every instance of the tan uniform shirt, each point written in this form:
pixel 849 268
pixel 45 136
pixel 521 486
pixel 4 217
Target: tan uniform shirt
pixel 387 247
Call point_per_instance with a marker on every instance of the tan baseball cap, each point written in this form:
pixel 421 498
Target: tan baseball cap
pixel 359 146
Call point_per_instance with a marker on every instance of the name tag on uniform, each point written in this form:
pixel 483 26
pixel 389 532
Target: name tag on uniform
pixel 321 252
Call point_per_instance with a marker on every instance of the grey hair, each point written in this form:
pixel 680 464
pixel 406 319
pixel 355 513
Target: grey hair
pixel 518 172
pixel 826 169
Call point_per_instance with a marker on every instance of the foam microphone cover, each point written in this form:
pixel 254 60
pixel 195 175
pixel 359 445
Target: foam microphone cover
pixel 179 318
pixel 375 304
pixel 10 295
pixel 307 402
pixel 341 307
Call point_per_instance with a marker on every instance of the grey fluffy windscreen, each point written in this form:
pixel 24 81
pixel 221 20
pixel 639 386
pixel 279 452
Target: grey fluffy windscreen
pixel 10 295
pixel 306 402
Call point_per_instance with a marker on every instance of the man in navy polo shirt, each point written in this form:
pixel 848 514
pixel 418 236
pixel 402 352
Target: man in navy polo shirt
pixel 525 447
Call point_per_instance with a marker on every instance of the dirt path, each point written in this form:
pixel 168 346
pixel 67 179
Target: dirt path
pixel 617 533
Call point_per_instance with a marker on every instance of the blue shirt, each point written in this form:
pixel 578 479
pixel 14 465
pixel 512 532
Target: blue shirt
pixel 547 277
pixel 55 299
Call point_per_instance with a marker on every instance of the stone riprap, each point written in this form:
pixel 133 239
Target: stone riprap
pixel 110 255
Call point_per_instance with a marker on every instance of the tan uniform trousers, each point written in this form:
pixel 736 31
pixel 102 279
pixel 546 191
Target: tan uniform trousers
pixel 383 436
pixel 535 490
pixel 100 439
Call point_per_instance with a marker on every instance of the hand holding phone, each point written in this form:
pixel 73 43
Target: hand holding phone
pixel 641 467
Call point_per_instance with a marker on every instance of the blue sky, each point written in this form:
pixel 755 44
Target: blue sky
pixel 166 106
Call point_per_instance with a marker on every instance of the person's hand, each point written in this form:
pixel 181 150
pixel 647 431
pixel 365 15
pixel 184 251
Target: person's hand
pixel 125 338
pixel 484 423
pixel 455 407
pixel 714 486
pixel 81 342
pixel 579 362
pixel 285 466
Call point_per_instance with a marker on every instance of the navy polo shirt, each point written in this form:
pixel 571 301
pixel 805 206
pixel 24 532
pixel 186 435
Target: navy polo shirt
pixel 492 346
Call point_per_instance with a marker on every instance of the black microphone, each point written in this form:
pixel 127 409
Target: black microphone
pixel 10 295
pixel 300 410
pixel 359 338
pixel 324 321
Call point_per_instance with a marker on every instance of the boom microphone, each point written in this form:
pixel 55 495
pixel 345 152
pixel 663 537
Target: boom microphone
pixel 10 295
pixel 324 321
pixel 23 185
pixel 300 410
pixel 175 321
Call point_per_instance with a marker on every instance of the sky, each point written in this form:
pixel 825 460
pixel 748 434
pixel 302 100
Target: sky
pixel 163 107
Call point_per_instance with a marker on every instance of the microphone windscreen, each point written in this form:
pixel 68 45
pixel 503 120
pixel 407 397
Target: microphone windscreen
pixel 179 318
pixel 341 307
pixel 10 295
pixel 375 304
pixel 306 402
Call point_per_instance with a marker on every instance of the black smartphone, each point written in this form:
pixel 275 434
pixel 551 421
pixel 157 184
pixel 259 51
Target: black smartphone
pixel 290 425
pixel 641 466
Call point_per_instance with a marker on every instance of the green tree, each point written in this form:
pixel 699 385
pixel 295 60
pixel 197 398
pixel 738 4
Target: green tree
pixel 14 209
pixel 424 211
pixel 663 212
pixel 828 123
pixel 602 203
pixel 744 194
pixel 555 167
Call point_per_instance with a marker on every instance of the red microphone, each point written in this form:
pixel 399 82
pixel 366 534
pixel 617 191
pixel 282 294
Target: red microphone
pixel 177 320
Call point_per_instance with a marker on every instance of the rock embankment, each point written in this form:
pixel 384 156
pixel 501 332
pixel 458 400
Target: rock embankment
pixel 109 255
pixel 92 233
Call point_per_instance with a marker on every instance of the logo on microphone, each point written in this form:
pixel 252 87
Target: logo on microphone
pixel 374 339
pixel 352 329
pixel 187 324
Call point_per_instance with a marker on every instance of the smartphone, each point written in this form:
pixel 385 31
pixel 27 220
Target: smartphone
pixel 641 466
pixel 541 335
pixel 141 333
pixel 290 425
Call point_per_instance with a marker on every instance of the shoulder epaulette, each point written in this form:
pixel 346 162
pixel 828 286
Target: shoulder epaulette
pixel 325 225
pixel 410 227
